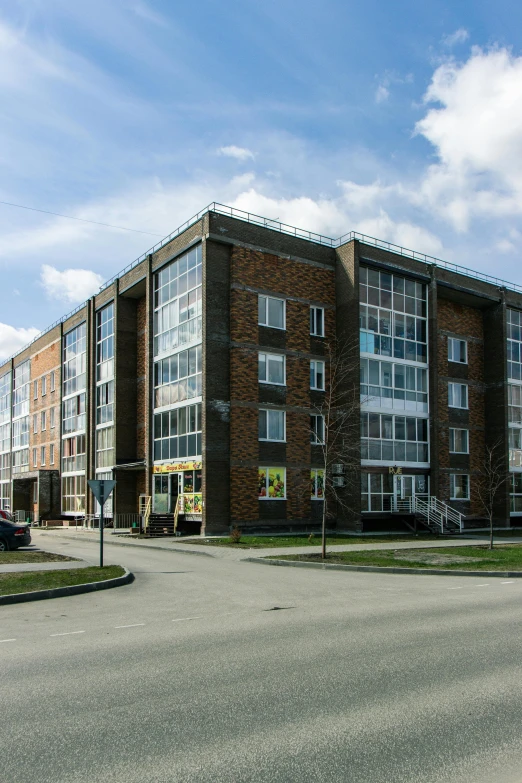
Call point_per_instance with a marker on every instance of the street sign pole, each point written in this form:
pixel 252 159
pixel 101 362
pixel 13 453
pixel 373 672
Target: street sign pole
pixel 101 489
pixel 101 531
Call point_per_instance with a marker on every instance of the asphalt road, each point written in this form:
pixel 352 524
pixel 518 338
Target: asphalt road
pixel 190 675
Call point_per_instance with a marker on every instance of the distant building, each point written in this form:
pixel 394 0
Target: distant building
pixel 189 379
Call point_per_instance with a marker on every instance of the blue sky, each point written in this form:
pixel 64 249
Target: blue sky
pixel 402 120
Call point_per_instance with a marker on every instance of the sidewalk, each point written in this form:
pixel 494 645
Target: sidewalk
pixel 230 553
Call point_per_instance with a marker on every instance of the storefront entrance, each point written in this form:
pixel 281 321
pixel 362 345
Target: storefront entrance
pixel 406 487
pixel 178 487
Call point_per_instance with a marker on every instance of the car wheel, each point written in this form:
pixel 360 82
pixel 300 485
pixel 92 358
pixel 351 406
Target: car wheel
pixel 3 545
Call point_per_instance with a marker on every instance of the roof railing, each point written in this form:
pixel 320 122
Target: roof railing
pixel 299 233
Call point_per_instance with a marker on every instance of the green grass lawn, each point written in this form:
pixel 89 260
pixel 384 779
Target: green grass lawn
pixel 28 581
pixel 29 556
pixel 505 557
pixel 268 542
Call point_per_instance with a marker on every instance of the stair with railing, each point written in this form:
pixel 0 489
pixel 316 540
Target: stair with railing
pixel 440 518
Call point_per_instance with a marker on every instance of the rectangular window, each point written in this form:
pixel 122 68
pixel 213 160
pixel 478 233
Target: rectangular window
pixel 35 458
pixel 35 390
pixel 271 312
pixel 73 494
pixel 177 433
pixel 44 386
pixel 459 441
pixel 457 350
pixel 51 454
pixel 42 455
pixel 73 454
pixel 35 423
pixel 459 487
pixel 272 425
pixel 52 418
pixel 393 314
pixel 316 429
pixel 317 375
pixel 178 302
pixel 105 402
pixel 74 360
pixel 396 439
pixel 317 321
pixel 272 483
pixel 457 395
pixel 105 343
pixel 105 447
pixel 74 414
pixel 317 483
pixel 53 381
pixel 44 421
pixel 514 344
pixel 178 378
pixel 272 368
pixel 35 492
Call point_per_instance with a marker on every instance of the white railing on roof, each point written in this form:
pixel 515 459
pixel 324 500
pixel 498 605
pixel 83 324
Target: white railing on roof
pixel 300 233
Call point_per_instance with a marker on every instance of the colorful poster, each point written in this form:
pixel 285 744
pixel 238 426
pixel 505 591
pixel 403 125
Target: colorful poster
pixel 271 483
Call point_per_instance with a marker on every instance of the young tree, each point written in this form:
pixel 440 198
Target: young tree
pixel 493 476
pixel 335 429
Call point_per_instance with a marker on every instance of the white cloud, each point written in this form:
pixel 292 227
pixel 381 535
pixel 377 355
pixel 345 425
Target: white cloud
pixel 239 153
pixel 458 37
pixel 71 285
pixel 382 94
pixel 13 339
pixel 144 11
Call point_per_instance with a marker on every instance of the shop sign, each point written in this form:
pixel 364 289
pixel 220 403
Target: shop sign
pixel 395 471
pixel 175 467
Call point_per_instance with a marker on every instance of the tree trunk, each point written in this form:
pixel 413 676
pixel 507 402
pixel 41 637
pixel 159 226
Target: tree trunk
pixel 323 529
pixel 491 531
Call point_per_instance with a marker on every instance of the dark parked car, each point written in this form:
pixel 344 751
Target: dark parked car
pixel 12 535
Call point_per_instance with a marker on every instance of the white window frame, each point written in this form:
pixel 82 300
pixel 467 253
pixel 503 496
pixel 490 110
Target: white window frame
pixel 451 350
pixel 452 432
pixel 35 457
pixel 452 486
pixel 266 309
pixel 53 381
pixel 52 419
pixel 268 412
pixel 315 363
pixel 43 421
pixel 44 385
pixel 35 390
pixel 35 423
pixel 452 386
pixel 278 356
pixel 313 321
pixel 42 456
pixel 51 454
pixel 314 438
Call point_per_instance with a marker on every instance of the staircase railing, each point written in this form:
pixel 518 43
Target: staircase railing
pixel 144 510
pixel 437 514
pixel 176 515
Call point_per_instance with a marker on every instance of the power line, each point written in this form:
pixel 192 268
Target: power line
pixel 83 220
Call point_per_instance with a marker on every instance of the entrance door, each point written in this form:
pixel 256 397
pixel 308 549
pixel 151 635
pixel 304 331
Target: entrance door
pixel 404 489
pixel 174 491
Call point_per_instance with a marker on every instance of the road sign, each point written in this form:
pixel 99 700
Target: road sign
pixel 101 489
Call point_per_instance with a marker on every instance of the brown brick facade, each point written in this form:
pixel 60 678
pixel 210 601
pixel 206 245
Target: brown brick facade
pixel 465 323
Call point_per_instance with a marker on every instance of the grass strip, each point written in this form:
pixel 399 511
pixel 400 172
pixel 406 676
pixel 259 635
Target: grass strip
pixel 29 556
pixel 29 581
pixel 505 557
pixel 269 542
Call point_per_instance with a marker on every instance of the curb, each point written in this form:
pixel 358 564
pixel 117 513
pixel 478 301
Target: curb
pixel 58 592
pixel 381 569
pixel 137 546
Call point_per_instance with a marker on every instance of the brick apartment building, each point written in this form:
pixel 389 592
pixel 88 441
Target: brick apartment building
pixel 189 378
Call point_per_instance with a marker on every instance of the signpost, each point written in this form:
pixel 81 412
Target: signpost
pixel 101 489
